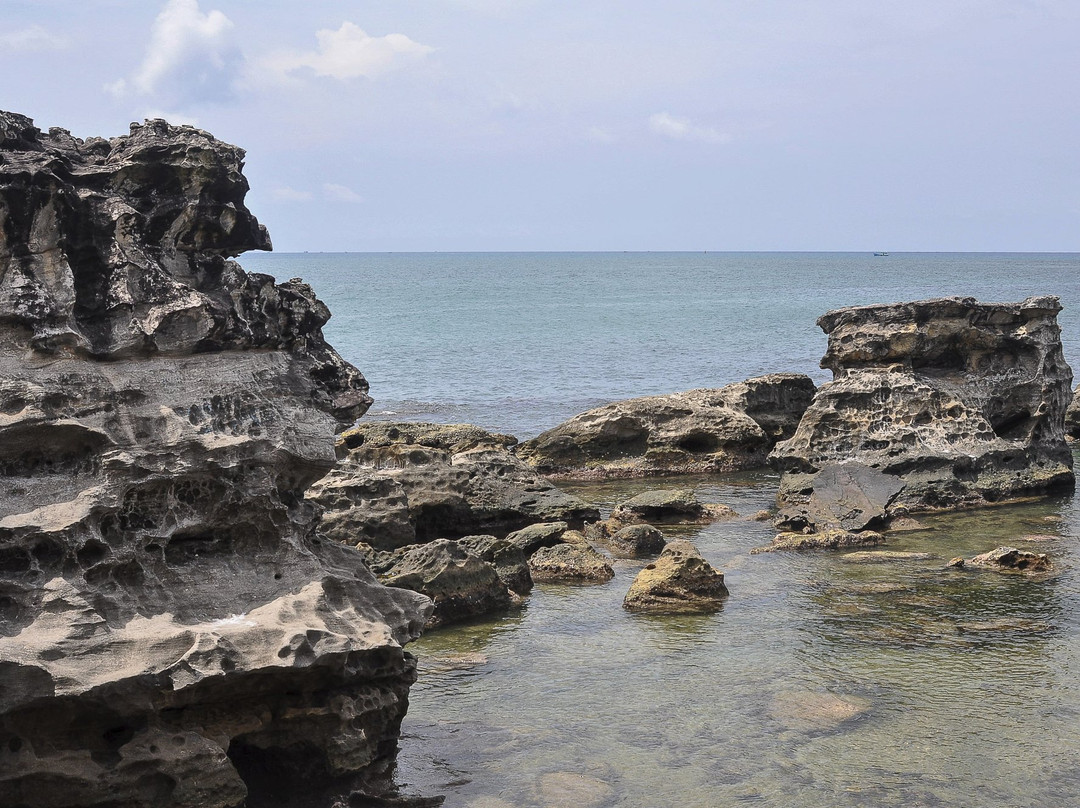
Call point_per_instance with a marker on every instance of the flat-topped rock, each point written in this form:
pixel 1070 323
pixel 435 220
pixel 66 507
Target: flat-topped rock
pixel 961 402
pixel 570 563
pixel 831 539
pixel 668 506
pixel 402 483
pixel 698 431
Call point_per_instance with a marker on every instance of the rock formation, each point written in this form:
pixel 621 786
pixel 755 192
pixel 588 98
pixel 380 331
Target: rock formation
pixel 699 431
pixel 680 581
pixel 399 483
pixel 960 402
pixel 1072 417
pixel 172 629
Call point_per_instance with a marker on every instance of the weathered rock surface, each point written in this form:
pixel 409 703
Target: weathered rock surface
pixel 542 534
pixel 401 483
pixel 636 541
pixel 669 506
pixel 831 539
pixel 1010 559
pixel 962 402
pixel 1072 417
pixel 510 562
pixel 699 431
pixel 170 623
pixel 679 581
pixel 570 563
pixel 461 584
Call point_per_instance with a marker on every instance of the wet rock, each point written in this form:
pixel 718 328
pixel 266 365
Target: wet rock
pixel 1010 559
pixel 1005 625
pixel 962 402
pixel 905 524
pixel 826 540
pixel 669 506
pixel 636 541
pixel 699 431
pixel 883 556
pixel 679 581
pixel 570 563
pixel 462 585
pixel 542 534
pixel 809 711
pixel 1072 416
pixel 402 483
pixel 171 622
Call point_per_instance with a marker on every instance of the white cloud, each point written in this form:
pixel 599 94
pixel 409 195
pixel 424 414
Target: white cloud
pixel 341 193
pixel 285 194
pixel 668 125
pixel 350 53
pixel 34 38
pixel 172 117
pixel 190 57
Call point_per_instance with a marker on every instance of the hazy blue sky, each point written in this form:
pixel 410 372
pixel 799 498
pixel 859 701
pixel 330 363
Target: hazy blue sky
pixel 595 124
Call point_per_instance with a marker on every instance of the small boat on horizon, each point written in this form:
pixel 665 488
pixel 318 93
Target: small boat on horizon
pixel 881 253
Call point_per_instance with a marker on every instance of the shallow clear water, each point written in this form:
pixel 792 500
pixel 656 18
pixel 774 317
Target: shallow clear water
pixel 820 683
pixel 518 342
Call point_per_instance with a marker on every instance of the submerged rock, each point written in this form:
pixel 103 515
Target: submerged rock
pixel 961 402
pixel 402 483
pixel 883 556
pixel 811 711
pixel 171 624
pixel 699 431
pixel 680 581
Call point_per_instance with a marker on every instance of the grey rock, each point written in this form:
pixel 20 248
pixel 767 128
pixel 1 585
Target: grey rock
pixel 510 562
pixel 170 620
pixel 679 581
pixel 830 539
pixel 668 506
pixel 636 541
pixel 542 534
pixel 403 483
pixel 850 495
pixel 699 431
pixel 460 583
pixel 963 402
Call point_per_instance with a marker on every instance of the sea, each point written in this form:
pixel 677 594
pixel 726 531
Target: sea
pixel 821 683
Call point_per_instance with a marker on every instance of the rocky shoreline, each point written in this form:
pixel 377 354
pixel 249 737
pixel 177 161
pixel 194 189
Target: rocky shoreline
pixel 209 571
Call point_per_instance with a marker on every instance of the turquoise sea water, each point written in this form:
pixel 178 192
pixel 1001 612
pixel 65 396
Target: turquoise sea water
pixel 518 342
pixel 821 683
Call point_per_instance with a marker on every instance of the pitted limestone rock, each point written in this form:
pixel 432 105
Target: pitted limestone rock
pixel 170 622
pixel 962 402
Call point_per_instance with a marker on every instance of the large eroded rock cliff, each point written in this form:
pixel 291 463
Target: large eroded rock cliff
pixel 934 404
pixel 171 631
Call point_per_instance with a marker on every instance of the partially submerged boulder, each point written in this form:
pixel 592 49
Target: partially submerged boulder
pixel 680 581
pixel 570 563
pixel 172 626
pixel 542 534
pixel 830 539
pixel 669 506
pixel 636 541
pixel 460 583
pixel 962 402
pixel 1010 559
pixel 402 483
pixel 699 431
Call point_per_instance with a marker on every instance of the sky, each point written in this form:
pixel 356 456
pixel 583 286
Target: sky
pixel 468 125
